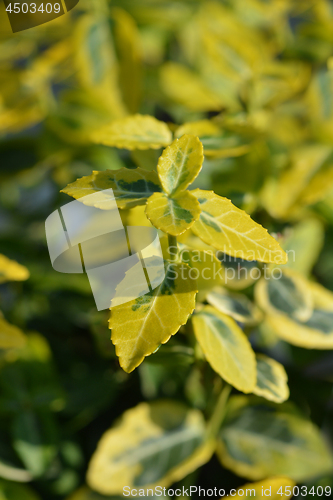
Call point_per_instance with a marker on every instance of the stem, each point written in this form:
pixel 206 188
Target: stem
pixel 219 412
pixel 173 248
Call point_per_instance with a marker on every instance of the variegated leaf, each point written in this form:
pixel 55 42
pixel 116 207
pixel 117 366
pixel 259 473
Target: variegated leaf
pixel 286 293
pixel 130 187
pixel 226 348
pixel 134 132
pixel 257 441
pixel 232 230
pixel 179 164
pixel 153 444
pixel 235 305
pixel 173 215
pixel 272 380
pixel 140 326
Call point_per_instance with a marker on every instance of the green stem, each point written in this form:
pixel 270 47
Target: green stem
pixel 173 248
pixel 219 412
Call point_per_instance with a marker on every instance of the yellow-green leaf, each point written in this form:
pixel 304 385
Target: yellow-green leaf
pixel 179 164
pixel 319 187
pixel 134 132
pixel 206 268
pixel 315 333
pixel 238 306
pixel 186 87
pixel 313 329
pixel 95 62
pixel 272 380
pixel 232 230
pixel 10 336
pixel 80 112
pixel 303 243
pixel 127 40
pixel 239 273
pixel 286 292
pixel 226 348
pixel 217 143
pixel 267 488
pixel 135 216
pixel 140 326
pixel 153 444
pixel 201 128
pixel 173 215
pixel 11 270
pixel 130 187
pixel 280 196
pixel 94 54
pixel 258 441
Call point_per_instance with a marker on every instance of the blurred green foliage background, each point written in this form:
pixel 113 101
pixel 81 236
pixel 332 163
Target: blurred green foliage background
pixel 260 73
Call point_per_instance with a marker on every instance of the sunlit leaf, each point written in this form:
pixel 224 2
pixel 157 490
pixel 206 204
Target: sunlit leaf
pixel 258 441
pixel 281 195
pixel 217 143
pixel 226 348
pixel 232 230
pixel 271 380
pixel 145 158
pixel 201 128
pixel 231 51
pixel 80 112
pixel 319 187
pixel 10 336
pixel 50 63
pixel 315 333
pixel 303 243
pixel 130 187
pixel 135 216
pixel 95 57
pixel 237 306
pixel 319 98
pixel 206 268
pixel 187 88
pixel 127 40
pixel 277 82
pixel 153 444
pixel 134 132
pixel 179 164
pixel 286 292
pixel 315 330
pixel 11 270
pixel 139 327
pixel 239 274
pixel 173 215
pixel 18 109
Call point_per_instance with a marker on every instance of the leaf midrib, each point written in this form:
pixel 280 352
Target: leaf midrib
pixel 237 233
pixel 163 442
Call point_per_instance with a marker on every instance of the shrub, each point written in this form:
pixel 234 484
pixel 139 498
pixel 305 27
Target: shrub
pixel 212 122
